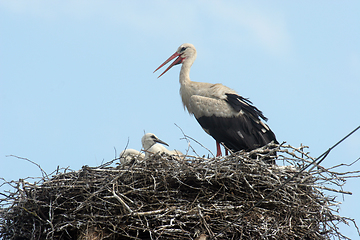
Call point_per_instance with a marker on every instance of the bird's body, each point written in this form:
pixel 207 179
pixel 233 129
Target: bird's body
pixel 225 115
pixel 128 155
pixel 152 145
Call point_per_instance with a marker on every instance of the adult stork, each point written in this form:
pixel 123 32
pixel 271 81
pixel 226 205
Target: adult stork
pixel 225 115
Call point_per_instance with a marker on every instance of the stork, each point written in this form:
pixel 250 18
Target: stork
pixel 225 115
pixel 128 155
pixel 152 144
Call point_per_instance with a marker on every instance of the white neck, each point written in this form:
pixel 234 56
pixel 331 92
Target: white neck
pixel 185 70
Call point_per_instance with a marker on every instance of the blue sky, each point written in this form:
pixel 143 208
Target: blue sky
pixel 77 77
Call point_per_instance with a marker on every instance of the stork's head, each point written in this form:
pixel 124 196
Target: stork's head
pixel 149 139
pixel 185 51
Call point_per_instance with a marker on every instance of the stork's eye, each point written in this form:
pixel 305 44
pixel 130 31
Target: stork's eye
pixel 182 49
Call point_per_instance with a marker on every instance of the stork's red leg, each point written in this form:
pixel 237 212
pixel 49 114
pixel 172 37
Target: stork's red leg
pixel 218 149
pixel 226 152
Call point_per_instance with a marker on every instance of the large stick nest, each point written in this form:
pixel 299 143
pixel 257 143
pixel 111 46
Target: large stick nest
pixel 179 198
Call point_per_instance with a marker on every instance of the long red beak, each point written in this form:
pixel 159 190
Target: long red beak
pixel 177 61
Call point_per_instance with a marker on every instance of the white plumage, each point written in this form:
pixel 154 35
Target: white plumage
pixel 228 117
pixel 128 155
pixel 152 145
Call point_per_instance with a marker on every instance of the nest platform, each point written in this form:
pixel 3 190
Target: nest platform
pixel 166 197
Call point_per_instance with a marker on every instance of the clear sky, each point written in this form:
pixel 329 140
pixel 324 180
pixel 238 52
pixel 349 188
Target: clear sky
pixel 77 82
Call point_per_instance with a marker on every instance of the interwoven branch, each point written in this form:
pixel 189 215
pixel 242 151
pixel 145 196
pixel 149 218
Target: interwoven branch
pixel 170 198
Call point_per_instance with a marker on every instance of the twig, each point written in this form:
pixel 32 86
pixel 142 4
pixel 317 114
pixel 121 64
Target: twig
pixel 186 137
pixel 121 201
pixel 42 171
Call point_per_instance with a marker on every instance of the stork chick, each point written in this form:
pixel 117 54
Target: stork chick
pixel 152 144
pixel 128 155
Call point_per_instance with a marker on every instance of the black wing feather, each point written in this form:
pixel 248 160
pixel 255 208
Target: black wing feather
pixel 237 133
pixel 240 103
pixel 241 132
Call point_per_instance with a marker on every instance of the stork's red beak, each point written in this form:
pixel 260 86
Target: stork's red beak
pixel 177 61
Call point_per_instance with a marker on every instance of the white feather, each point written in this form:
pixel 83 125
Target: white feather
pixel 128 155
pixel 152 145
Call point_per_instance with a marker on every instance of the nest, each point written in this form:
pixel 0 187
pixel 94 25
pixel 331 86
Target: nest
pixel 166 197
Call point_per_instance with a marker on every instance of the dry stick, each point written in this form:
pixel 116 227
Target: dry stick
pixel 42 171
pixel 344 164
pixel 110 162
pixel 334 190
pixel 188 141
pixel 120 199
pixel 204 221
pixel 94 193
pixel 200 144
pixel 186 136
pixel 314 162
pixel 153 212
